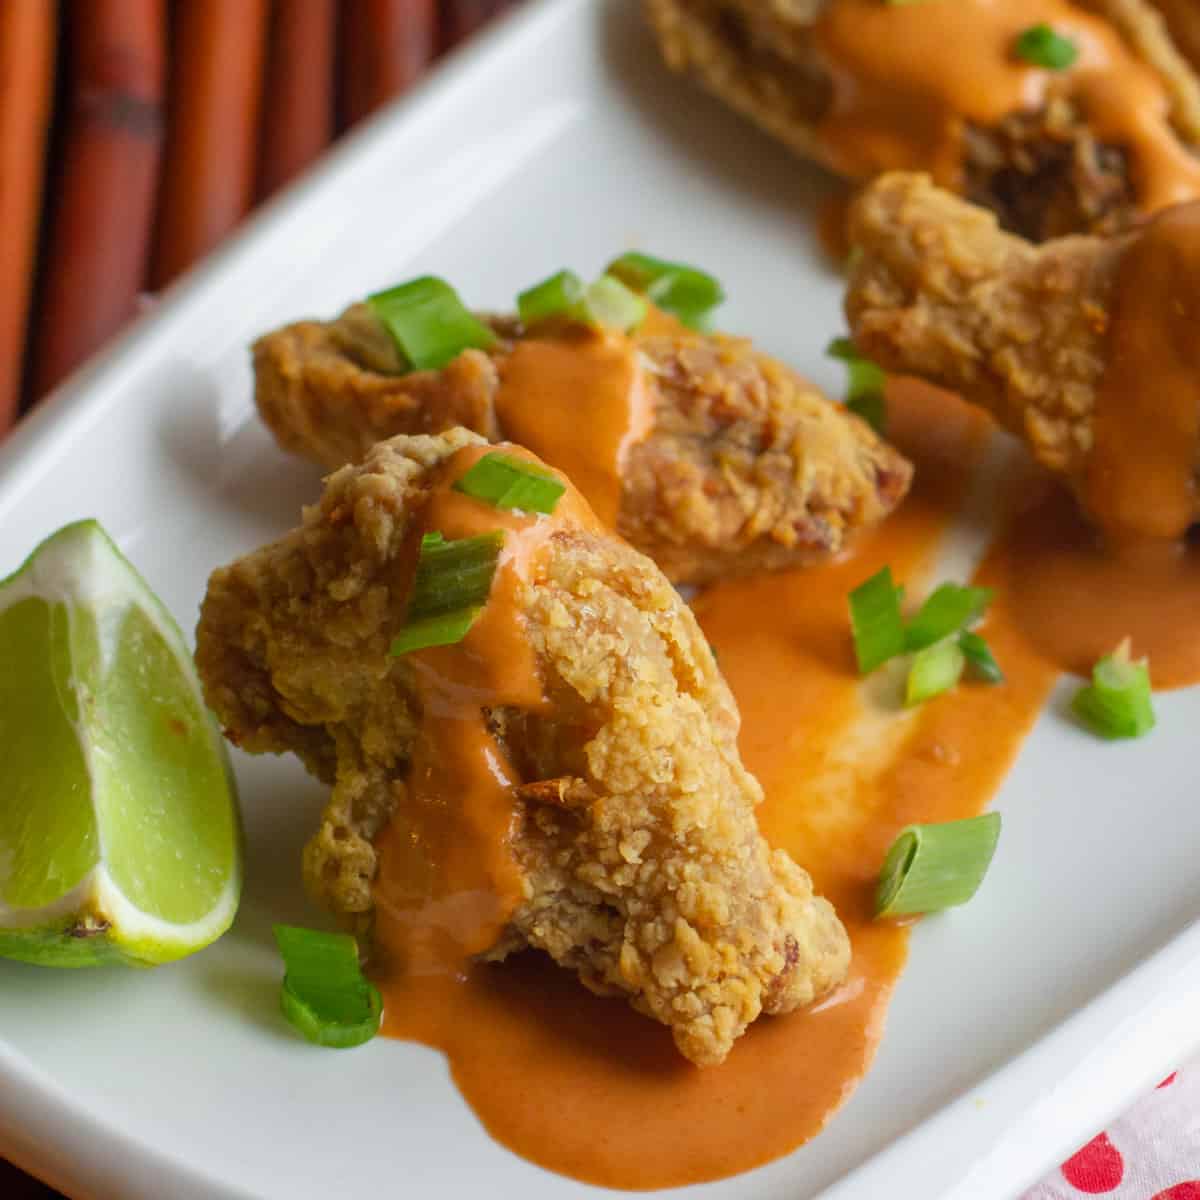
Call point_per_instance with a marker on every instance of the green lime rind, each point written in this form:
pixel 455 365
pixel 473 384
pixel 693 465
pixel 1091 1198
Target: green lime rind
pixel 120 837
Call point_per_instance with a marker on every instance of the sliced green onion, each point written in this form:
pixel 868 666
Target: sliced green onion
pixel 979 657
pixel 557 296
pixel 875 621
pixel 934 670
pixel 610 303
pixel 504 481
pixel 1040 45
pixel 686 292
pixel 864 396
pixel 451 587
pixel 1117 704
pixel 429 323
pixel 932 867
pixel 324 993
pixel 946 611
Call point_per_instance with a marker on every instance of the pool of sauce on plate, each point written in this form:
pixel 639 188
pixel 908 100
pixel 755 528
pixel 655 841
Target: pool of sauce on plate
pixel 907 78
pixel 586 1087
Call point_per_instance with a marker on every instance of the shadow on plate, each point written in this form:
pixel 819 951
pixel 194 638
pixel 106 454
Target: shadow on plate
pixel 718 142
pixel 212 435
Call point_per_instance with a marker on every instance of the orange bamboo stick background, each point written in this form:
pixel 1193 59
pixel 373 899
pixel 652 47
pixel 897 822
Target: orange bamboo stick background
pixel 136 134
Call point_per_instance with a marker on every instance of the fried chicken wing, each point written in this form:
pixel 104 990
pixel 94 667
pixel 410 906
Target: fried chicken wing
pixel 864 87
pixel 629 816
pixel 939 291
pixel 741 464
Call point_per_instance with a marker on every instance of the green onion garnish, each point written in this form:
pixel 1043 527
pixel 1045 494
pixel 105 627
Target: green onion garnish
pixel 934 670
pixel 324 993
pixel 1040 45
pixel 686 292
pixel 507 482
pixel 610 303
pixel 1117 704
pixel 428 322
pixel 931 867
pixel 946 611
pixel 875 621
pixel 979 657
pixel 864 396
pixel 558 296
pixel 452 583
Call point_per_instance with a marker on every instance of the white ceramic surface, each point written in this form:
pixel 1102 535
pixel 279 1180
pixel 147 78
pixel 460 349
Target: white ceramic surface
pixel 1023 1021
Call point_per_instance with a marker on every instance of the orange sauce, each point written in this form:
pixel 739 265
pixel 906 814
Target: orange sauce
pixel 1141 478
pixel 447 882
pixel 586 1087
pixel 578 401
pixel 909 77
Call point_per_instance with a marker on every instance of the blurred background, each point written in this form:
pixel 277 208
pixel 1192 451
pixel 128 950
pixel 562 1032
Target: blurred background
pixel 136 134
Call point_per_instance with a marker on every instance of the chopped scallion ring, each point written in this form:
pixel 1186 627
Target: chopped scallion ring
pixel 429 323
pixel 686 292
pixel 324 995
pixel 932 867
pixel 875 621
pixel 979 657
pixel 934 670
pixel 1117 703
pixel 558 296
pixel 948 608
pixel 1040 45
pixel 505 481
pixel 451 587
pixel 608 302
pixel 865 395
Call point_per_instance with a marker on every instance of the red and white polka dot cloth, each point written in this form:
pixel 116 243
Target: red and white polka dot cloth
pixel 1151 1153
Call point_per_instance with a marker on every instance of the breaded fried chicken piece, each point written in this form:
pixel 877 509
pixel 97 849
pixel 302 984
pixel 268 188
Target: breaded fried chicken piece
pixel 745 466
pixel 1046 168
pixel 640 861
pixel 939 291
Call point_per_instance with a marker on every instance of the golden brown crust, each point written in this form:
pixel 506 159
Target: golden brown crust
pixel 747 466
pixel 643 867
pixel 940 292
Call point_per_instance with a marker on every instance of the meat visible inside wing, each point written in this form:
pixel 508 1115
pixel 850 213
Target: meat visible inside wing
pixel 638 857
pixel 744 465
pixel 1045 171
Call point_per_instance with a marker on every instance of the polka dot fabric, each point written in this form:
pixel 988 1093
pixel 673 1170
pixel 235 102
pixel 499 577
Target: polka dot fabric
pixel 1151 1153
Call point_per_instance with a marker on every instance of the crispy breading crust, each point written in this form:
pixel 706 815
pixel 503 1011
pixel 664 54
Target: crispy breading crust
pixel 757 56
pixel 747 466
pixel 644 869
pixel 940 292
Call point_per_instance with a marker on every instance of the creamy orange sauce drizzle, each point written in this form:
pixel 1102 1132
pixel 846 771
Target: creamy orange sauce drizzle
pixel 1141 479
pixel 579 401
pixel 447 882
pixel 908 77
pixel 588 1088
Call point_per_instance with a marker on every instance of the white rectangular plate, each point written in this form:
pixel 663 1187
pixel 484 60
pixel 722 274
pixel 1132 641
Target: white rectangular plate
pixel 1023 1021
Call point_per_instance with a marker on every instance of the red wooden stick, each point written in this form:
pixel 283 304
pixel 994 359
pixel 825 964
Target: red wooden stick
pixel 218 48
pixel 26 91
pixel 104 208
pixel 298 97
pixel 387 45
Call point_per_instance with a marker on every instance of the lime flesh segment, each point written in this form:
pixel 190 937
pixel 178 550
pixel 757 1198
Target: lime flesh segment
pixel 119 833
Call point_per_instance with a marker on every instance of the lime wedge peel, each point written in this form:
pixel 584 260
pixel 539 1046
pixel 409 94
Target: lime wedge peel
pixel 119 831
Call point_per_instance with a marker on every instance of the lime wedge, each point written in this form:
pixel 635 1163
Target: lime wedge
pixel 119 831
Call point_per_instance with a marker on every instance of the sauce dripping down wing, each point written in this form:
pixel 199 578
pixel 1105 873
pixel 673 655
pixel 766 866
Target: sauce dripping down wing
pixel 568 772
